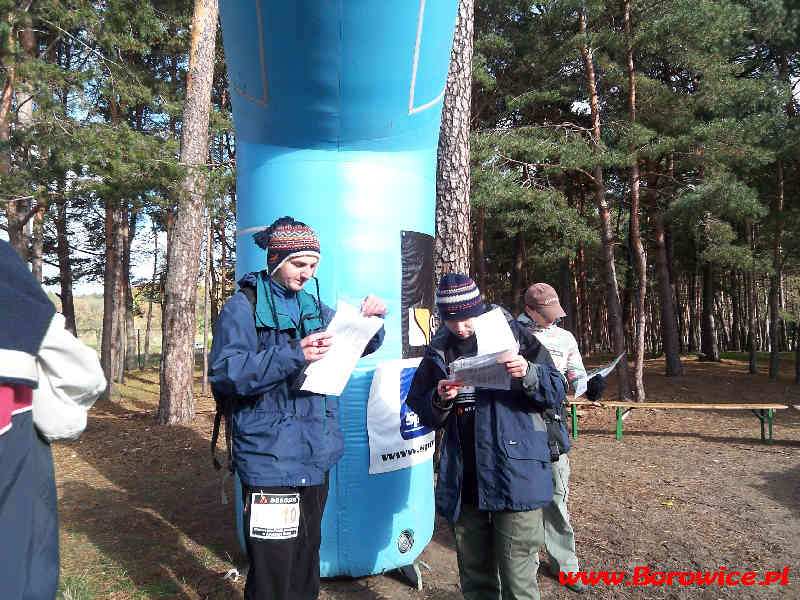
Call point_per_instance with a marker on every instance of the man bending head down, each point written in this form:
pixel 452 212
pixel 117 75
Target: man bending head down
pixel 494 474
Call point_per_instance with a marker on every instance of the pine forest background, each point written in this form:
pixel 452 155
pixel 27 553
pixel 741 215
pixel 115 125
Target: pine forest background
pixel 642 157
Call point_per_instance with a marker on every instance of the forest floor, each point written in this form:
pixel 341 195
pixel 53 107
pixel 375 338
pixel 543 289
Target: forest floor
pixel 684 491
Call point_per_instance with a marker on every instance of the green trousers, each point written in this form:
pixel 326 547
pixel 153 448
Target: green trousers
pixel 559 538
pixel 498 553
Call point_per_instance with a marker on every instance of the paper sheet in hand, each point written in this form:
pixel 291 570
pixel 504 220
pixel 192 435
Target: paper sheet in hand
pixel 351 333
pixel 495 341
pixel 493 333
pixel 580 387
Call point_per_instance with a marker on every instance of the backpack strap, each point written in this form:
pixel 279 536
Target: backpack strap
pixel 225 404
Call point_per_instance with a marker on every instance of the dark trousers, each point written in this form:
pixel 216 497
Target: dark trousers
pixel 286 569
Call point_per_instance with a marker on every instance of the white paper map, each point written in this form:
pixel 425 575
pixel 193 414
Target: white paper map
pixel 580 387
pixel 495 341
pixel 351 331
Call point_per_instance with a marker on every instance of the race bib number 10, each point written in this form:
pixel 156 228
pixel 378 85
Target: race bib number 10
pixel 274 516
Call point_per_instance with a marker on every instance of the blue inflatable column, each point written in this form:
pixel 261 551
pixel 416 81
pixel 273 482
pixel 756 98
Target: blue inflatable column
pixel 337 106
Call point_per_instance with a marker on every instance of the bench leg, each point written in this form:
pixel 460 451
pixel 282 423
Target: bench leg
pixel 619 423
pixel 574 412
pixel 765 417
pixel 769 416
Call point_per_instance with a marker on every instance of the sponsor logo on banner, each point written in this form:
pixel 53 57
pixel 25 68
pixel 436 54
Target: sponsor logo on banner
pixel 410 427
pixel 397 439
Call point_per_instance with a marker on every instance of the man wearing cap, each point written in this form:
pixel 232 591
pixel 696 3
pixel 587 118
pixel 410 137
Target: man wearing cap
pixel 284 440
pixel 494 475
pixel 542 309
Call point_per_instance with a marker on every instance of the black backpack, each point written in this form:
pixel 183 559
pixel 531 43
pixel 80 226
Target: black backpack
pixel 225 403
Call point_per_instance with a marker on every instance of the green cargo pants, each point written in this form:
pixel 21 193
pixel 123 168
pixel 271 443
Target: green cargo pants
pixel 559 538
pixel 498 553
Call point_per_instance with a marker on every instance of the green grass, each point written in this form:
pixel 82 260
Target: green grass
pixel 75 588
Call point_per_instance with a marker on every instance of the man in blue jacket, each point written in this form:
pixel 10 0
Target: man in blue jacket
pixel 284 440
pixel 494 474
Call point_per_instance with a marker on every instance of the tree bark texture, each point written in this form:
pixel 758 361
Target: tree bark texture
pixel 516 273
pixel 452 245
pixel 615 324
pixel 65 264
pixel 111 298
pixel 775 278
pixel 149 321
pixel 18 212
pixel 669 324
pixel 206 307
pixel 637 249
pixel 176 403
pixel 131 358
pixel 709 348
pixel 479 260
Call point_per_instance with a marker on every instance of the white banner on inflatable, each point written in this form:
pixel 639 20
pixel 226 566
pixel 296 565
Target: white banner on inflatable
pixel 396 438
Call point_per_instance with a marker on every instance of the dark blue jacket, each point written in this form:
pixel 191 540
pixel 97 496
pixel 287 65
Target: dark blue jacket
pixel 512 456
pixel 281 436
pixel 28 510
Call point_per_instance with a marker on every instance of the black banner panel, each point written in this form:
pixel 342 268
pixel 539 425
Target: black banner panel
pixel 417 297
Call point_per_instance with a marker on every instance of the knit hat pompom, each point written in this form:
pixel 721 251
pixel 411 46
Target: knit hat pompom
pixel 284 239
pixel 458 298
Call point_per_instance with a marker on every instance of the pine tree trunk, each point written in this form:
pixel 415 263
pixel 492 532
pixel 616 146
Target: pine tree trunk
pixel 566 295
pixel 131 362
pixel 479 265
pixel 692 304
pixel 637 249
pixel 64 261
pixel 215 284
pixel 176 403
pixel 37 241
pixel 150 301
pixel 223 268
pixel 775 278
pixel 112 274
pixel 452 245
pixel 615 325
pixel 18 211
pixel 669 325
pixel 5 101
pixel 516 273
pixel 206 307
pixel 582 286
pixel 750 283
pixel 735 322
pixel 708 338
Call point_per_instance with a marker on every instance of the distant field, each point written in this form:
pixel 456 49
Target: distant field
pixel 89 319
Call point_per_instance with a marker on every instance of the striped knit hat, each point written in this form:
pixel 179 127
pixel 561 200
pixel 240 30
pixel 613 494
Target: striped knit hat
pixel 285 239
pixel 458 298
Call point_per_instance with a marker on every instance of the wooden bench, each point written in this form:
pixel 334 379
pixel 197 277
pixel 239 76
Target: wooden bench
pixel 764 412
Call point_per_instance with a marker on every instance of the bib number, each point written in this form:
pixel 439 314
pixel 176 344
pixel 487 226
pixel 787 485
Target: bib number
pixel 274 516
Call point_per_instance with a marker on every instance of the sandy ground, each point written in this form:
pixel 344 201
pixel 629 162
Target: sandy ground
pixel 686 490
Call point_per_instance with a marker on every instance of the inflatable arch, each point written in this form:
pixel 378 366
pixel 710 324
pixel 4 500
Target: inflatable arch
pixel 337 107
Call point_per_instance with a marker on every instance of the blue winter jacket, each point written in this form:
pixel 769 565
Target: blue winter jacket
pixel 281 436
pixel 28 510
pixel 512 456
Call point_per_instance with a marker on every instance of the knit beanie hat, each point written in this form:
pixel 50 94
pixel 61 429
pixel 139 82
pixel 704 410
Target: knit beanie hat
pixel 285 239
pixel 458 298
